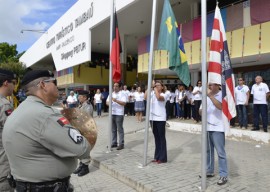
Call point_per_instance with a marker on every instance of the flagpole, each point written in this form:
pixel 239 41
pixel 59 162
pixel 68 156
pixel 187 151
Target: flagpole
pixel 110 81
pixel 149 84
pixel 204 95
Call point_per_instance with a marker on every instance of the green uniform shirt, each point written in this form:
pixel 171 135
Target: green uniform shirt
pixel 40 143
pixel 5 110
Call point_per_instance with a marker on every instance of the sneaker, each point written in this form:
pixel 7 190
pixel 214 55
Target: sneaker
pixel 222 180
pixel 114 146
pixel 84 170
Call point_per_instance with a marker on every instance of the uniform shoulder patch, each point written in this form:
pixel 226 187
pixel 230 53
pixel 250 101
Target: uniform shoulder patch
pixel 63 121
pixel 75 135
pixel 8 112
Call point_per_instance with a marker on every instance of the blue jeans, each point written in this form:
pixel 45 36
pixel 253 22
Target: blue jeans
pixel 117 125
pixel 99 105
pixel 242 115
pixel 216 140
pixel 260 109
pixel 177 110
pixel 159 132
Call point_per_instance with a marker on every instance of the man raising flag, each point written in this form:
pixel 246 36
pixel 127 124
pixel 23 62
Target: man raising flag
pixel 170 39
pixel 115 51
pixel 220 103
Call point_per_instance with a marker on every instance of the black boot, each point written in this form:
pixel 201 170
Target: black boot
pixel 84 170
pixel 79 168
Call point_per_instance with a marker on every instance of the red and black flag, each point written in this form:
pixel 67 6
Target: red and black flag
pixel 115 51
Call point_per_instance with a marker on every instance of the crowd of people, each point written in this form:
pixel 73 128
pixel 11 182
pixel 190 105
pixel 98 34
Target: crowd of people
pixel 32 157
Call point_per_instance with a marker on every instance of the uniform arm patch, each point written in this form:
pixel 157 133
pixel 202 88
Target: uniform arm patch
pixel 63 121
pixel 75 135
pixel 8 112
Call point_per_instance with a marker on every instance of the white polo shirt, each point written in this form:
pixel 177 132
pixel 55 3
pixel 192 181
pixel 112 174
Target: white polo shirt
pixel 157 108
pixel 259 93
pixel 116 108
pixel 197 96
pixel 241 94
pixel 139 96
pixel 214 115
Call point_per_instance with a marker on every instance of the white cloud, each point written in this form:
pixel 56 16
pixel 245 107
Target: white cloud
pixel 16 15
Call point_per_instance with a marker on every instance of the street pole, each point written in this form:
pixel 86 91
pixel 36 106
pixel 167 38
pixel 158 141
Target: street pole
pixel 149 84
pixel 110 81
pixel 204 95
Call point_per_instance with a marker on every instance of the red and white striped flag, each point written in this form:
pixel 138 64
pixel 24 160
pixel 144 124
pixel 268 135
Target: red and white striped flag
pixel 220 68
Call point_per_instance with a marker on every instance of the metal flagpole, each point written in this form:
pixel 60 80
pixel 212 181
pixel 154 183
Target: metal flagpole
pixel 204 95
pixel 110 81
pixel 149 84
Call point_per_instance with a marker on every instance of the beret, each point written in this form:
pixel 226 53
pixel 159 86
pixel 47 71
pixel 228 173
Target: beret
pixel 6 74
pixel 35 74
pixel 83 92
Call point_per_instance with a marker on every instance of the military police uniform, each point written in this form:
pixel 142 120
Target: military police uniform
pixel 83 168
pixel 5 110
pixel 41 145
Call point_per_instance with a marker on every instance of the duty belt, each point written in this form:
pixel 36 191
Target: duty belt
pixel 59 185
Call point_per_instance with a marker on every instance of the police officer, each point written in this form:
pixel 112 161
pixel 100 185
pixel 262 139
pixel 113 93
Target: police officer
pixel 86 106
pixel 41 145
pixel 7 84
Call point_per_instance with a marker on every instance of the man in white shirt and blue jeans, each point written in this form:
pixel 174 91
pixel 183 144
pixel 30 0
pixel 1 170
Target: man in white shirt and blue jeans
pixel 260 93
pixel 216 134
pixel 118 103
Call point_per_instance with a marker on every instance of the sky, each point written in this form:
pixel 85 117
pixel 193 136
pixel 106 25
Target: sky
pixel 18 15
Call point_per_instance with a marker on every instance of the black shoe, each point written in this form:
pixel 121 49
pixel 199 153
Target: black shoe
pixel 79 168
pixel 222 180
pixel 255 129
pixel 114 146
pixel 265 130
pixel 84 170
pixel 120 147
pixel 208 175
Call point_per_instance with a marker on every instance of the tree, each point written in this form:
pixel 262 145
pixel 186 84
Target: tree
pixel 8 52
pixel 16 67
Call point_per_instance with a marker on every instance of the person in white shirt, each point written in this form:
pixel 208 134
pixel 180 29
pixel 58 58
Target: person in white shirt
pixel 158 121
pixel 127 106
pixel 260 93
pixel 189 102
pixel 177 111
pixel 241 98
pixel 197 92
pixel 98 102
pixel 72 100
pixel 182 101
pixel 139 104
pixel 118 103
pixel 215 134
pixel 168 93
pixel 131 101
pixel 172 103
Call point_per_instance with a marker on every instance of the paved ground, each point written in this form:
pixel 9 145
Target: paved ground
pixel 248 164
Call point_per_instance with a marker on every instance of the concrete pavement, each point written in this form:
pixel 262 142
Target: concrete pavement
pixel 248 162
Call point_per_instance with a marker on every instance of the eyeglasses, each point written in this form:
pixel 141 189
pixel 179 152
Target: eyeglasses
pixel 52 80
pixel 199 83
pixel 240 80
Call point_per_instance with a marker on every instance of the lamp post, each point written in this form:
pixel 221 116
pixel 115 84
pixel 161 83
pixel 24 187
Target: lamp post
pixel 33 30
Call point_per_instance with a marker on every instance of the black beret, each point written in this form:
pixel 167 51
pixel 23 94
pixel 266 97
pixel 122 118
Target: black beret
pixel 83 92
pixel 35 74
pixel 6 74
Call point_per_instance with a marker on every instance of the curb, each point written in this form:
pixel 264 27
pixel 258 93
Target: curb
pixel 233 134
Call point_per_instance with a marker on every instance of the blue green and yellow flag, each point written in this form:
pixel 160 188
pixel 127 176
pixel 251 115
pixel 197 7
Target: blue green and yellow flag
pixel 170 39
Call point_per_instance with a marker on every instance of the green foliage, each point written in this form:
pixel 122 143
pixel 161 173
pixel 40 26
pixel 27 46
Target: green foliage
pixel 8 52
pixel 9 59
pixel 16 67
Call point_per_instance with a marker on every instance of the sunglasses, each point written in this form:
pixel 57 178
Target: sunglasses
pixel 52 80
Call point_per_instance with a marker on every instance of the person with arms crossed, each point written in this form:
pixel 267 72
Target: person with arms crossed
pixel 41 145
pixel 7 85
